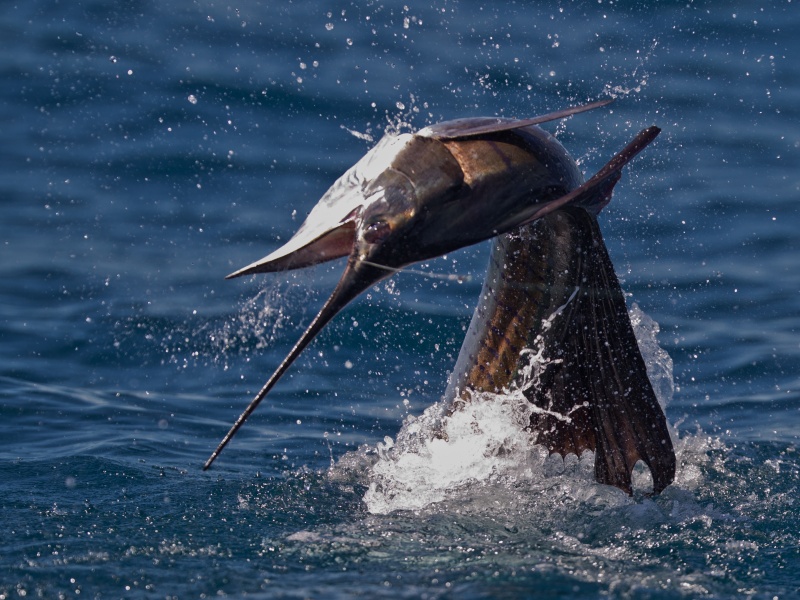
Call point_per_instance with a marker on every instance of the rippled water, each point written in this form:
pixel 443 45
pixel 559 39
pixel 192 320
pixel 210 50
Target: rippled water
pixel 148 149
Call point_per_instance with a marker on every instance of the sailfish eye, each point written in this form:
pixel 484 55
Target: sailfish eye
pixel 377 231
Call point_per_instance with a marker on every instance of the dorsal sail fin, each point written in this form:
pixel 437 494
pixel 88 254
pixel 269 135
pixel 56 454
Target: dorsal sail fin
pixel 594 376
pixel 551 288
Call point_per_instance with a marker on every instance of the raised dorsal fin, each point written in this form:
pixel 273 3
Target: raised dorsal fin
pixel 551 289
pixel 594 374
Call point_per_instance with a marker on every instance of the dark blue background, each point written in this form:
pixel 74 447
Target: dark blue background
pixel 150 148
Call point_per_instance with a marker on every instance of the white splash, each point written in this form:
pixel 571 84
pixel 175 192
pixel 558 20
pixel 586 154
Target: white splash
pixel 658 362
pixel 437 453
pixel 440 453
pixel 635 80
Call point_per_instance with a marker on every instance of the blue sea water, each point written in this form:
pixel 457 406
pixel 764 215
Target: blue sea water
pixel 150 148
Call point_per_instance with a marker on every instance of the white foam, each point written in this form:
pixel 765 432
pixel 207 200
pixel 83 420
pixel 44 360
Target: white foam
pixel 438 454
pixel 657 360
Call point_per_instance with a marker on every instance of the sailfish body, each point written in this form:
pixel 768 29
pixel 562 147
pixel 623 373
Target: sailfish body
pixel 550 286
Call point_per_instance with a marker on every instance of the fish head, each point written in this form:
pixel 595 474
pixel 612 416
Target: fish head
pixel 417 196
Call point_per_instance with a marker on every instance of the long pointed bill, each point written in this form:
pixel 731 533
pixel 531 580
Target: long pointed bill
pixel 356 278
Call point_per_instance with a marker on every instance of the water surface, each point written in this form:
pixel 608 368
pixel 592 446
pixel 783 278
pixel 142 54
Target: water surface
pixel 150 149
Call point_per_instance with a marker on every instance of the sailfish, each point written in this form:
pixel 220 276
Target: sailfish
pixel 550 282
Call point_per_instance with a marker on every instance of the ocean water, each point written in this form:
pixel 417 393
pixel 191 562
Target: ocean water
pixel 150 148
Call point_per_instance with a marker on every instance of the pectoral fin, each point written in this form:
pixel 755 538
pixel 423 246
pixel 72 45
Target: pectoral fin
pixel 460 129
